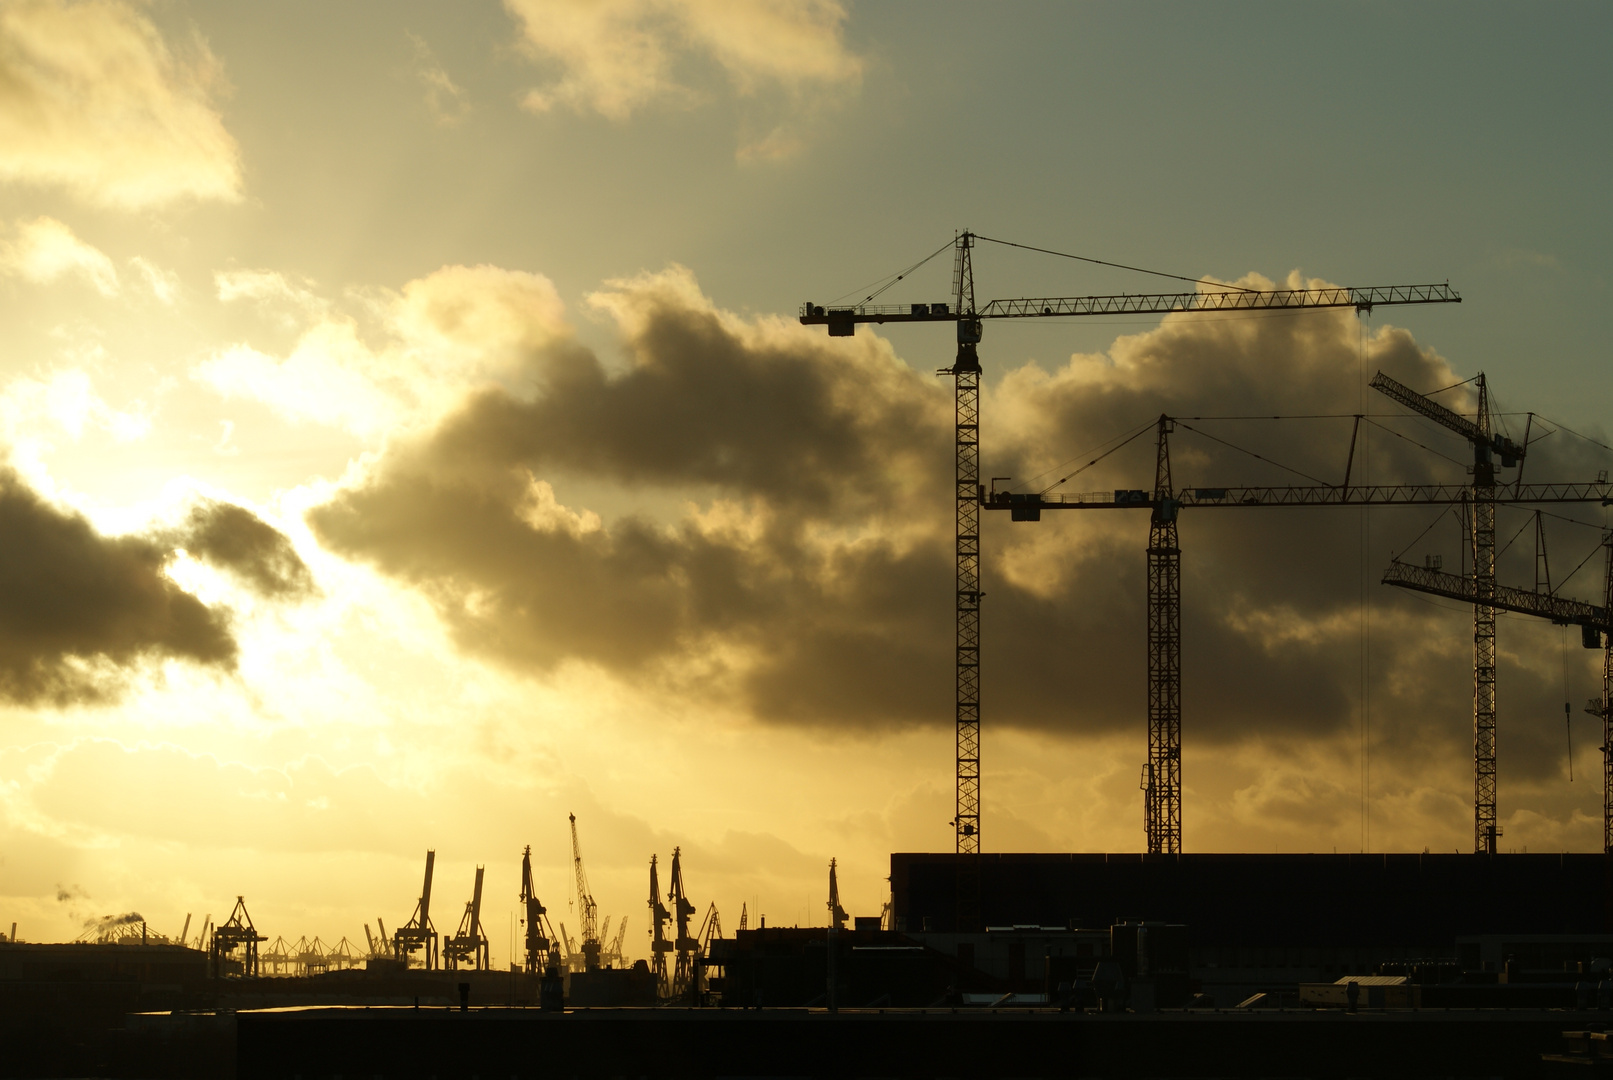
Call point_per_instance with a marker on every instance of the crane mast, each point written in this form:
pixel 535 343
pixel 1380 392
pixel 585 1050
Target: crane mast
pixel 1162 776
pixel 587 911
pixel 1486 448
pixel 1595 623
pixel 961 310
pixel 837 914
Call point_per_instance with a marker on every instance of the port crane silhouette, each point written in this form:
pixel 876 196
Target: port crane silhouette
pixel 968 319
pixel 587 910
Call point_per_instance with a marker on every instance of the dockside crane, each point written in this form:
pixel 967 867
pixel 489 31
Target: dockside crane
pixel 659 945
pixel 1595 623
pixel 418 933
pixel 686 944
pixel 539 946
pixel 469 943
pixel 587 910
pixel 613 951
pixel 968 319
pixel 837 914
pixel 236 932
pixel 1161 781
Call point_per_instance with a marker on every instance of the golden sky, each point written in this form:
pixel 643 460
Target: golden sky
pixel 410 441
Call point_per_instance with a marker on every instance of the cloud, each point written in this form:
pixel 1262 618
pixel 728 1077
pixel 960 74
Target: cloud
pixel 44 250
pixel 235 539
pixel 619 57
pixel 446 100
pixel 397 359
pixel 94 100
pixel 79 611
pixel 809 581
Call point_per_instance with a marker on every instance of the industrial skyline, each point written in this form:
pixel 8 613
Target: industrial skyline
pixel 411 439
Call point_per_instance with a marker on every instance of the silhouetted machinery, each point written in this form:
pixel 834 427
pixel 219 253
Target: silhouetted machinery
pixel 469 945
pixel 542 946
pixel 659 945
pixel 687 945
pixel 967 319
pixel 237 932
pixel 418 934
pixel 587 910
pixel 837 914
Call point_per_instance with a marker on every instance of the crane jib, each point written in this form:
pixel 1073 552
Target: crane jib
pixel 841 320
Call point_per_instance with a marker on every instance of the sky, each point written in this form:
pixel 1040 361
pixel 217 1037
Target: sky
pixel 409 439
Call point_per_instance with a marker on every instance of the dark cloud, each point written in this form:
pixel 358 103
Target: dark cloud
pixel 237 540
pixel 815 584
pixel 76 607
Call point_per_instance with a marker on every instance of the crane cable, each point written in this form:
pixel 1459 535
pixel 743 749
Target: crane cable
pixel 1259 457
pixel 1117 266
pixel 893 279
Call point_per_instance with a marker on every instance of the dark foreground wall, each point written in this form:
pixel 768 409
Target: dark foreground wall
pixel 1345 901
pixel 389 1043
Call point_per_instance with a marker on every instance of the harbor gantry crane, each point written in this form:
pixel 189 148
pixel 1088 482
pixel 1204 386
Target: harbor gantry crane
pixel 236 932
pixel 1487 448
pixel 659 945
pixel 837 914
pixel 587 910
pixel 1161 780
pixel 418 933
pixel 469 945
pixel 538 943
pixel 1595 623
pixel 687 944
pixel 967 319
pixel 613 951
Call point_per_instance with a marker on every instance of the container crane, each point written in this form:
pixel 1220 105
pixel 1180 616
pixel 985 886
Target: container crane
pixel 418 933
pixel 613 951
pixel 1161 780
pixel 686 944
pixel 469 945
pixel 968 319
pixel 537 942
pixel 659 945
pixel 1595 623
pixel 236 932
pixel 587 910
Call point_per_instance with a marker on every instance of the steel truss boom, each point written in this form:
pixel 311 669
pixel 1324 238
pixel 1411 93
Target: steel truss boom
pixel 1595 623
pixel 1319 495
pixel 962 311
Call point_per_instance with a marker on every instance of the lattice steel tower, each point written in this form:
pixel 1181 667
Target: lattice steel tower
pixel 1162 775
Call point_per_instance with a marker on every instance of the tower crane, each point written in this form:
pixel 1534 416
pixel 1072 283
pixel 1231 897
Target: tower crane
pixel 538 945
pixel 1162 773
pixel 683 976
pixel 469 944
pixel 968 319
pixel 1487 447
pixel 659 945
pixel 418 933
pixel 587 910
pixel 1595 623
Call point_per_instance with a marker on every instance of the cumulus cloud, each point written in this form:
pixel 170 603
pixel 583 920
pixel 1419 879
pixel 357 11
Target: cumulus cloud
pixel 78 610
pixel 93 99
pixel 618 57
pixel 398 359
pixel 237 540
pixel 44 250
pixel 810 580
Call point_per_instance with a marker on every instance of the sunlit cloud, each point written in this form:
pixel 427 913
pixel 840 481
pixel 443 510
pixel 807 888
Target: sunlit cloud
pixel 94 100
pixel 619 57
pixel 44 250
pixel 446 100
